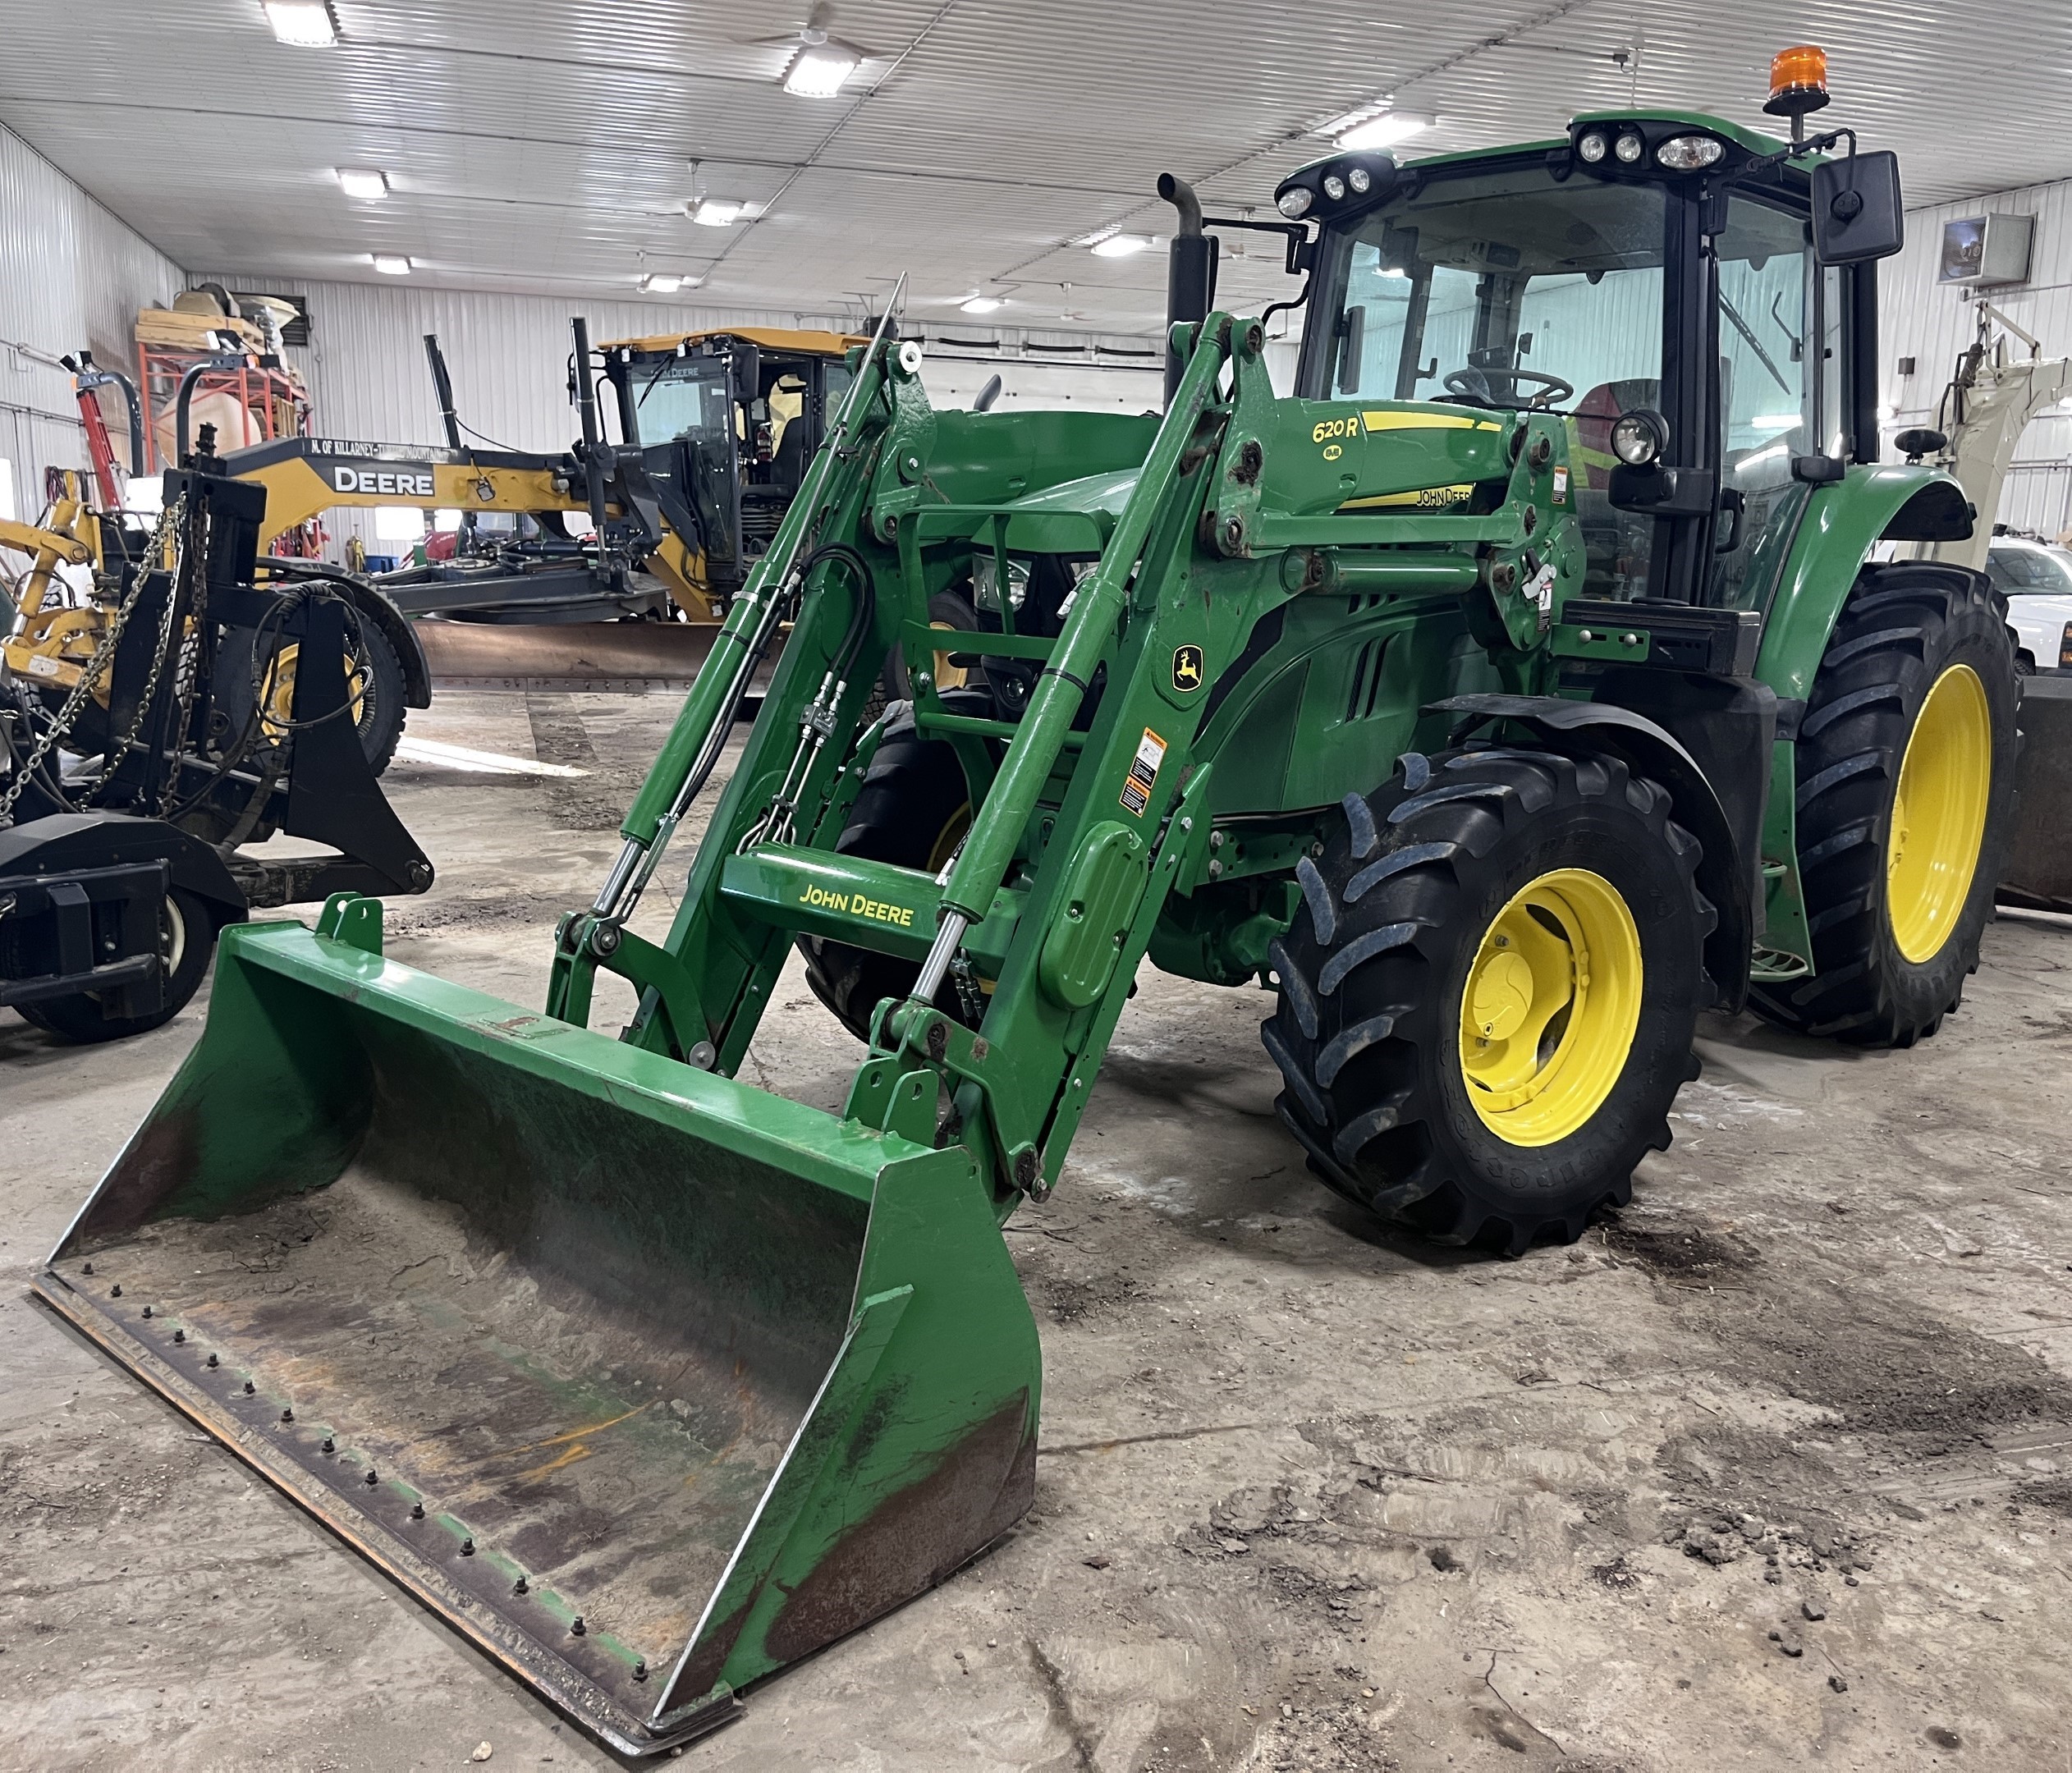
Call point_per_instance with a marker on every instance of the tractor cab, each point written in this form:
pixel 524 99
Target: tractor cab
pixel 726 424
pixel 1697 300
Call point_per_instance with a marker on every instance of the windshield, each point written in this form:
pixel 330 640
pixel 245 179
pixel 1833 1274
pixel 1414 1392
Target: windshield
pixel 2027 571
pixel 1499 287
pixel 685 397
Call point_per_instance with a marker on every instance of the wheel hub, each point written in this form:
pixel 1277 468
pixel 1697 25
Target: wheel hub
pixel 1503 993
pixel 1550 1007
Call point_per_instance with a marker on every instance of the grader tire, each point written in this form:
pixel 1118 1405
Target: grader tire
pixel 1487 997
pixel 1905 803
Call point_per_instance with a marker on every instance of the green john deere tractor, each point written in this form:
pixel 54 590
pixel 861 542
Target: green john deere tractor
pixel 1520 686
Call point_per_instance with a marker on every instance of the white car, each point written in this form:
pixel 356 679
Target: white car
pixel 2037 581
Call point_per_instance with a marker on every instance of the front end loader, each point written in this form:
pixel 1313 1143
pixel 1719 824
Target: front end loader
pixel 1513 691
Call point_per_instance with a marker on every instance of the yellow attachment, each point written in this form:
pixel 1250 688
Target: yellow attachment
pixel 805 342
pixel 1548 1013
pixel 56 639
pixel 1939 814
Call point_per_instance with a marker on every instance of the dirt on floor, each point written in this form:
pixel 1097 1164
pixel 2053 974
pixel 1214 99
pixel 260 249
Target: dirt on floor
pixel 1774 1469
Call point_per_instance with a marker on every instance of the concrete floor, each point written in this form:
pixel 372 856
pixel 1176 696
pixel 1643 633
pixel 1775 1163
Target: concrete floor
pixel 1776 1471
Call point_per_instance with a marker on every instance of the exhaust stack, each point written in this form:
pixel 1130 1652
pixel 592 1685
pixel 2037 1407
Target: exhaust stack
pixel 1190 269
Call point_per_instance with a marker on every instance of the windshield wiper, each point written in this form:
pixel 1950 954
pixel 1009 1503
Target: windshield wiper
pixel 1755 344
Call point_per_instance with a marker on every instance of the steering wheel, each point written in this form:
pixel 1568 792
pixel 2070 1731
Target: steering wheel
pixel 1477 385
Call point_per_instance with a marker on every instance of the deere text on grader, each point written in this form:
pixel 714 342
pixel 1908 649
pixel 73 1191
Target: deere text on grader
pixel 1518 688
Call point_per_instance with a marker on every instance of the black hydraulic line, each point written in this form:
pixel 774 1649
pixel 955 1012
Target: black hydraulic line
pixel 866 611
pixel 442 386
pixel 86 373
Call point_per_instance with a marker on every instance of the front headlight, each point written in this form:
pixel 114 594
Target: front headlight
pixel 1594 147
pixel 1295 203
pixel 1629 147
pixel 1334 186
pixel 1639 437
pixel 1360 178
pixel 1688 154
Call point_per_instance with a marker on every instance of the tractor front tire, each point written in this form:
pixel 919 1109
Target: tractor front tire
pixel 912 810
pixel 1905 800
pixel 1487 997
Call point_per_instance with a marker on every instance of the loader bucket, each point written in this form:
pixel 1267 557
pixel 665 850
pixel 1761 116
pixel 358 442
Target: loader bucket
pixel 648 1382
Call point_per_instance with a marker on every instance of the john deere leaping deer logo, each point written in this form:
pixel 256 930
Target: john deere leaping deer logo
pixel 1187 668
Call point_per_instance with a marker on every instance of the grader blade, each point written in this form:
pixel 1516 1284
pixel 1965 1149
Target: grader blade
pixel 648 1382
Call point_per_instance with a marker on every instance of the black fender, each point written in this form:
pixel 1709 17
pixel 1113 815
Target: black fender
pixel 69 842
pixel 1728 828
pixel 401 634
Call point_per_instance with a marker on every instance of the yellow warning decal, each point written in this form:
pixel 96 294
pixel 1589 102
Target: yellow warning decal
pixel 1144 773
pixel 1427 421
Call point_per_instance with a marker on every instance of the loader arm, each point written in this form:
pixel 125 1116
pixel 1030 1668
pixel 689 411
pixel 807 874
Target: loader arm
pixel 1056 811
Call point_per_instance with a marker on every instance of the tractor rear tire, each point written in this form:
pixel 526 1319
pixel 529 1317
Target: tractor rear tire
pixel 1459 911
pixel 1905 803
pixel 912 810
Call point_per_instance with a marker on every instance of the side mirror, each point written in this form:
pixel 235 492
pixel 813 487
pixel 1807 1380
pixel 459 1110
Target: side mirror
pixel 747 365
pixel 1856 212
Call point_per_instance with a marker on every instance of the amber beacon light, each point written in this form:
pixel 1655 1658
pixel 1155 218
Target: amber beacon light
pixel 1797 81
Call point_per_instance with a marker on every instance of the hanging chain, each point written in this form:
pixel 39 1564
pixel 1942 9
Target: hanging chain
pixel 186 678
pixel 116 753
pixel 90 675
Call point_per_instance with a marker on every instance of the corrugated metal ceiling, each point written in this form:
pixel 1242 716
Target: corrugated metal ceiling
pixel 543 145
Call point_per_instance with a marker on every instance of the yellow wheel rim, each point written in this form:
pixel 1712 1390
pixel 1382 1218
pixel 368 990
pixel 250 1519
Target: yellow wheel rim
pixel 277 699
pixel 1939 814
pixel 948 675
pixel 1548 1013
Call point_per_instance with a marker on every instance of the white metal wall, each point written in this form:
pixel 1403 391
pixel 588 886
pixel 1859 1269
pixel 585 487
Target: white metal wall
pixel 71 275
pixel 1933 324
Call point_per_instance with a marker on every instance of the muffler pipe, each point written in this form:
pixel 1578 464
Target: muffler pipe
pixel 1190 270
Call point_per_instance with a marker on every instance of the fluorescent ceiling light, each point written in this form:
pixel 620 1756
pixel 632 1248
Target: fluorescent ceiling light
pixel 391 264
pixel 717 212
pixel 1385 130
pixel 1121 245
pixel 662 282
pixel 981 304
pixel 818 70
pixel 307 23
pixel 362 182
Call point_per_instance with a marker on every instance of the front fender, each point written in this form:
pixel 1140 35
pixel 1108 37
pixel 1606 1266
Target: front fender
pixel 1726 871
pixel 396 629
pixel 1880 502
